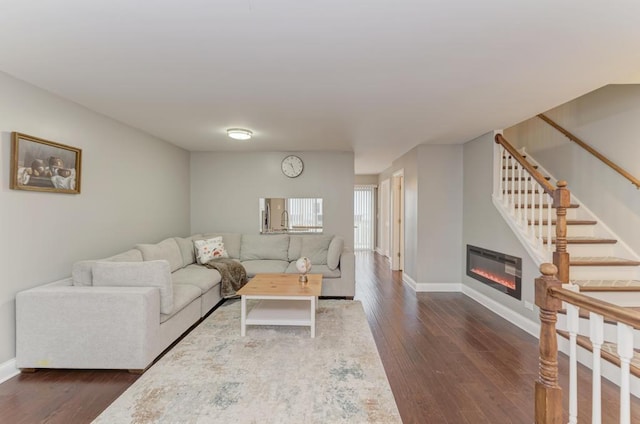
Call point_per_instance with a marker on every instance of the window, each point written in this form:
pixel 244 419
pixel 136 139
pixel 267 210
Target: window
pixel 364 217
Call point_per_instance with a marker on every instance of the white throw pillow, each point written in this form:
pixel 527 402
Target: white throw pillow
pixel 137 274
pixel 209 249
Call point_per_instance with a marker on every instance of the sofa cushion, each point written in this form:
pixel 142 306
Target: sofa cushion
pixel 197 275
pixel 183 295
pixel 167 250
pixel 81 271
pixel 137 274
pixel 295 248
pixel 315 248
pixel 231 242
pixel 186 250
pixel 333 254
pixel 316 269
pixel 264 266
pixel 209 249
pixel 256 247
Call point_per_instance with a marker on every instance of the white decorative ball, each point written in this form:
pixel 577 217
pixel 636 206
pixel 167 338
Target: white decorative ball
pixel 303 265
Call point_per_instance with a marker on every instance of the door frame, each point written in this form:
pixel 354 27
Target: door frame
pixel 397 220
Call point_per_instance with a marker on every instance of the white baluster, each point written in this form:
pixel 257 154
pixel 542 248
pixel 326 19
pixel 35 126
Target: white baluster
pixel 625 352
pixel 518 196
pixel 511 183
pixel 501 173
pixel 549 204
pixel 540 202
pixel 596 324
pixel 573 324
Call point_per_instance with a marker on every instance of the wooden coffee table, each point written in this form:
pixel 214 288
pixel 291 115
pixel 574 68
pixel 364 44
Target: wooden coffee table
pixel 283 301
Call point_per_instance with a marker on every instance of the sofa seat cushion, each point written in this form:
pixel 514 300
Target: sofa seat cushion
pixel 256 247
pixel 167 250
pixel 316 269
pixel 183 295
pixel 264 267
pixel 204 278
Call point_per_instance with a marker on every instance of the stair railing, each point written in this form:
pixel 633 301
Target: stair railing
pixel 588 148
pixel 549 297
pixel 529 199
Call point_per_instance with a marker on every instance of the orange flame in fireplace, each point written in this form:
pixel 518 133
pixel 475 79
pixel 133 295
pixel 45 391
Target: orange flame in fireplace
pixel 495 278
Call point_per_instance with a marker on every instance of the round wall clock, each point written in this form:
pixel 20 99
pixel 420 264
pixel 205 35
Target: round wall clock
pixel 292 166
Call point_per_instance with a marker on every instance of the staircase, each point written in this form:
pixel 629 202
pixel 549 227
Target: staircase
pixel 600 263
pixel 596 275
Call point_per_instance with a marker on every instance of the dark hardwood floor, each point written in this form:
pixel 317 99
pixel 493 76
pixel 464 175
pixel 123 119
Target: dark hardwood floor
pixel 448 360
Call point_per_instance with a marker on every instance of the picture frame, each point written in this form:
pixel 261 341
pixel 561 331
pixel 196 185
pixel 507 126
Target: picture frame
pixel 42 165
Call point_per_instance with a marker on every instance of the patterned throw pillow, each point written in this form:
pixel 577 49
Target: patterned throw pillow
pixel 209 249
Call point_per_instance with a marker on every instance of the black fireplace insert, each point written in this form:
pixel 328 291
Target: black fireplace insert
pixel 498 270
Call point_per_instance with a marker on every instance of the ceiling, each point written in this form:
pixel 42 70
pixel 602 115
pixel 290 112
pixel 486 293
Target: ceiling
pixel 376 77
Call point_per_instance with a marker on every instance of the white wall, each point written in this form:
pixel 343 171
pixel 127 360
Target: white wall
pixel 433 212
pixel 483 226
pixel 226 187
pixel 134 189
pixel 367 179
pixel 439 213
pixel 607 119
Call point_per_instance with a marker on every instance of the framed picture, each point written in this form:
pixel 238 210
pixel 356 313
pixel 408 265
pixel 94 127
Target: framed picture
pixel 42 165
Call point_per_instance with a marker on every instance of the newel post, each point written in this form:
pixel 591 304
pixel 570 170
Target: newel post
pixel 561 201
pixel 548 402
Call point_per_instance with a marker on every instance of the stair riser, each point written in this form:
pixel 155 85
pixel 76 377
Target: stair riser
pixel 603 272
pixel 619 298
pixel 590 249
pixel 610 330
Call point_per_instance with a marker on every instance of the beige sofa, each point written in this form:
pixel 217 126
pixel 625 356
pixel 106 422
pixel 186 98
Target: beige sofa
pixel 96 320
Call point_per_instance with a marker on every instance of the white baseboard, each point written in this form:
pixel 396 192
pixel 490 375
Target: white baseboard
pixel 513 317
pixel 430 287
pixel 7 370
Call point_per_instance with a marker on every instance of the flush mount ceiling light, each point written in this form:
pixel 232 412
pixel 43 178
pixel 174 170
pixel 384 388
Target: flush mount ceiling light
pixel 239 133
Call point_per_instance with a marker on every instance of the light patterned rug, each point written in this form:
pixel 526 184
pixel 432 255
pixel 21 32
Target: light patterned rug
pixel 273 375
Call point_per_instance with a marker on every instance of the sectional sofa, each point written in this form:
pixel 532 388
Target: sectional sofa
pixel 121 312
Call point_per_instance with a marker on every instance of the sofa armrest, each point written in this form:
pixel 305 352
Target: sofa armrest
pixel 61 326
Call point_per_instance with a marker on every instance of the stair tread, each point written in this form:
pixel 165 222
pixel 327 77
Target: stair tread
pixel 608 352
pixel 608 285
pixel 569 222
pixel 601 261
pixel 585 240
pixel 545 206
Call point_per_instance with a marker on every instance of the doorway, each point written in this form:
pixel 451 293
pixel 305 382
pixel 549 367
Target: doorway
pixel 384 229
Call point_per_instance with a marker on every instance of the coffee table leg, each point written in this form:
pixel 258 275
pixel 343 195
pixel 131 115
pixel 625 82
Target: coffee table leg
pixel 313 317
pixel 243 316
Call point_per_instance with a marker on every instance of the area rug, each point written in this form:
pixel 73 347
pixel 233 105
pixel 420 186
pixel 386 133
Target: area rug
pixel 272 375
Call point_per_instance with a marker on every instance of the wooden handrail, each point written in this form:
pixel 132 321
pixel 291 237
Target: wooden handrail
pixel 591 150
pixel 600 307
pixel 546 185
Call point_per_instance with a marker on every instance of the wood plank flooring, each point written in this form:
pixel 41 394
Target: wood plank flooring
pixel 448 360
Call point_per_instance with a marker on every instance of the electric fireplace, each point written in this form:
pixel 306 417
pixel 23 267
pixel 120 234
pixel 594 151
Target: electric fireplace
pixel 498 270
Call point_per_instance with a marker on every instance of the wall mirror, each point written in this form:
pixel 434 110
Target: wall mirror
pixel 290 215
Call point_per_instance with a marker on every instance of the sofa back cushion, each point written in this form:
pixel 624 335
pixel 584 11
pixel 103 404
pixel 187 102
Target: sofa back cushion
pixel 231 242
pixel 167 250
pixel 81 271
pixel 315 248
pixel 137 274
pixel 186 249
pixel 256 247
pixel 335 250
